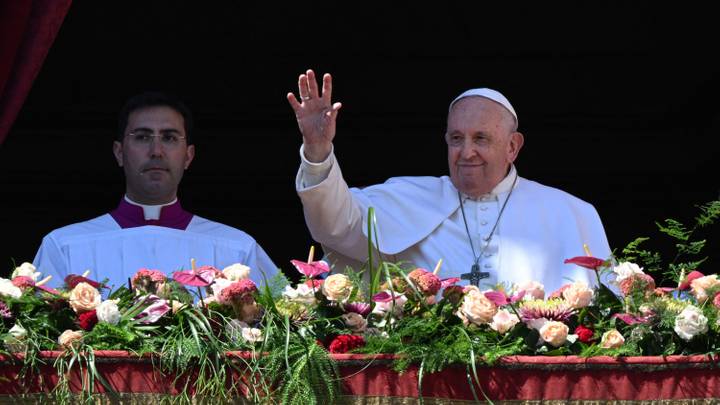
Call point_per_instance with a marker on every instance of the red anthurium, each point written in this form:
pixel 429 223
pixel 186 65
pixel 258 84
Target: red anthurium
pixel 589 262
pixel 74 279
pixel 685 284
pixel 447 282
pixel 311 269
pixel 202 276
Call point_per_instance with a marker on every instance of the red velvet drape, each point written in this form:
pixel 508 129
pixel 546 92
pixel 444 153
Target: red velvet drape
pixel 27 30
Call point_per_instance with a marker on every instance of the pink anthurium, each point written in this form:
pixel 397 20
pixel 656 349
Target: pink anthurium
pixel 24 281
pixel 447 282
pixel 202 276
pixel 499 298
pixel 311 268
pixel 382 297
pixel 589 262
pixel 631 319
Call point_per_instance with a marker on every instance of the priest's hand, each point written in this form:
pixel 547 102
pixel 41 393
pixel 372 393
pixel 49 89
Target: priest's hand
pixel 316 115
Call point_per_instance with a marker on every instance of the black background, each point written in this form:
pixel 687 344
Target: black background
pixel 617 103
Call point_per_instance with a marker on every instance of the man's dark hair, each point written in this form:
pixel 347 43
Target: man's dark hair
pixel 154 99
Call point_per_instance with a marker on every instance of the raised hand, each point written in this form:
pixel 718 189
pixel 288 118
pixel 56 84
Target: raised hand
pixel 316 115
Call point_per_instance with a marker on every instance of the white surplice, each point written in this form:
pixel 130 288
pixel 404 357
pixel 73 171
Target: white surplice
pixel 109 251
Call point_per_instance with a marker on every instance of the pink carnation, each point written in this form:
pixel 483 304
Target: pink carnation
pixel 427 282
pixel 23 282
pixel 239 291
pixel 716 300
pixel 639 281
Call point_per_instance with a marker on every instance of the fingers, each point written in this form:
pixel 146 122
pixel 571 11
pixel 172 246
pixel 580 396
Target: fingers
pixel 294 103
pixel 303 87
pixel 327 88
pixel 312 84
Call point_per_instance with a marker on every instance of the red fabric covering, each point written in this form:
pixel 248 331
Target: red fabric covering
pixel 513 378
pixel 27 30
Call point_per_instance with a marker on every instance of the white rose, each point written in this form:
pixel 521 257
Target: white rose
pixel 108 312
pixel 503 321
pixel 555 333
pixel 533 290
pixel 251 335
pixel 354 321
pixel 236 272
pixel 337 287
pixel 690 322
pixel 625 270
pixel 703 285
pixel 578 295
pixel 7 289
pixel 476 307
pixel 27 270
pixel 303 294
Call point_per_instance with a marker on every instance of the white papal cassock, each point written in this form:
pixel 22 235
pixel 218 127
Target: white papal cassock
pixel 419 220
pixel 117 244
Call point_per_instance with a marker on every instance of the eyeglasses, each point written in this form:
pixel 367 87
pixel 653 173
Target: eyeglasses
pixel 168 139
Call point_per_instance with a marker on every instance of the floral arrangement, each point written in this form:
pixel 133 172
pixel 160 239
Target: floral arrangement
pixel 196 316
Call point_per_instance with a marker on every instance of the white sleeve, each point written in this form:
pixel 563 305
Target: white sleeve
pixel 332 215
pixel 50 261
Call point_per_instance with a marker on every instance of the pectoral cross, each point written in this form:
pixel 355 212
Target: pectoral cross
pixel 475 275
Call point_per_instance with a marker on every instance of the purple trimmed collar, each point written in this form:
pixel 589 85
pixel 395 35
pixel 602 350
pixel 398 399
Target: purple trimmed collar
pixel 171 216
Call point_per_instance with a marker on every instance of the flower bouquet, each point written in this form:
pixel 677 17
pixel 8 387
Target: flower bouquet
pixel 195 318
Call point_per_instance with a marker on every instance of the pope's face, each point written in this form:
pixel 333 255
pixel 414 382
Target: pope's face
pixel 154 167
pixel 482 143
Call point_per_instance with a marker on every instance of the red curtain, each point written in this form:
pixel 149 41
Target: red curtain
pixel 27 30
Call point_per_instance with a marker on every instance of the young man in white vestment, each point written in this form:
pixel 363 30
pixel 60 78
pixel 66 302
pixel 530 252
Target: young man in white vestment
pixel 149 228
pixel 483 216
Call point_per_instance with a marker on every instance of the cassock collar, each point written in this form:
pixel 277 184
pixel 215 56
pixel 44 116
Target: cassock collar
pixel 502 188
pixel 129 214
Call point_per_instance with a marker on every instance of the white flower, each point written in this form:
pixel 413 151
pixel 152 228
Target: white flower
pixel 303 294
pixel 690 322
pixel 236 272
pixel 382 308
pixel 218 285
pixel 555 333
pixel 108 312
pixel 503 321
pixel 7 289
pixel 337 287
pixel 15 339
pixel 612 339
pixel 27 270
pixel 578 295
pixel 18 332
pixel 625 270
pixel 355 322
pixel 252 335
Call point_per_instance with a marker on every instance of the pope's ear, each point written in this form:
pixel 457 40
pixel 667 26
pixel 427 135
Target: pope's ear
pixel 516 143
pixel 118 152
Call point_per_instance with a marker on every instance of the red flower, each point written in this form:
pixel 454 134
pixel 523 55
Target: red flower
pixel 73 279
pixel 87 320
pixel 345 343
pixel 589 262
pixel 584 334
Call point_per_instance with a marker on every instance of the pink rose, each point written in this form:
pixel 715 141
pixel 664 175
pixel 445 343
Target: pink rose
pixel 67 338
pixel 578 295
pixel 503 321
pixel 612 339
pixel 84 297
pixel 476 308
pixel 702 287
pixel 555 333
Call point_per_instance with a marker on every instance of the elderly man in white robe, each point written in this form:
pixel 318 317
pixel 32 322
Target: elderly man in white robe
pixel 149 228
pixel 484 217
